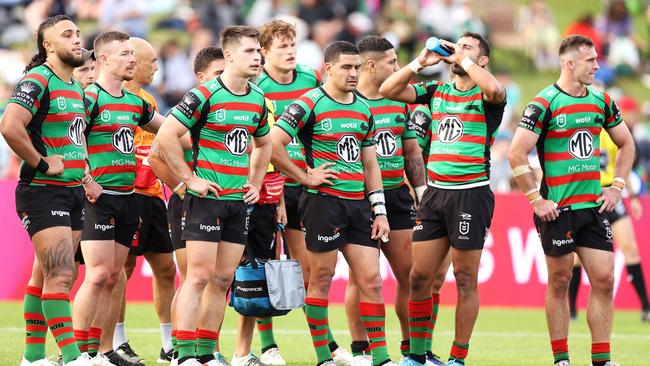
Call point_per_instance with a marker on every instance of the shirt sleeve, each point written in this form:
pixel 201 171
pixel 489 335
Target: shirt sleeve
pixel 370 135
pixel 188 110
pixel 295 117
pixel 29 92
pixel 612 114
pixel 424 91
pixel 409 129
pixel 533 117
pixel 147 113
pixel 263 127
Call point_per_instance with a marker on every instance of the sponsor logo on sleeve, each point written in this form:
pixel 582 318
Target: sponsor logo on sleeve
pixel 188 105
pixel 26 93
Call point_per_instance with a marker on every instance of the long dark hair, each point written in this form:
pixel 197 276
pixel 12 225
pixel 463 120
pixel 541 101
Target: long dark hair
pixel 39 58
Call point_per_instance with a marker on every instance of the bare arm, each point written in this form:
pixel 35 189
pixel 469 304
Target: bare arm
pixel 397 87
pixel 372 178
pixel 162 170
pixel 413 163
pixel 155 123
pixel 260 157
pixel 12 127
pixel 622 166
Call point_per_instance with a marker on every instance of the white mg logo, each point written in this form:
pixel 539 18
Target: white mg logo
pixel 123 140
pixel 76 130
pixel 450 129
pixel 581 145
pixel 236 141
pixel 386 145
pixel 294 142
pixel 348 149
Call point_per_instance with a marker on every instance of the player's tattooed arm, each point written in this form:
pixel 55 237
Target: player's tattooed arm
pixel 413 163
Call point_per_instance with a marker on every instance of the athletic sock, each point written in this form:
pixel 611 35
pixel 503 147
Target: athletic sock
pixel 186 342
pixel 428 344
pixel 94 336
pixel 206 341
pixel 57 312
pixel 373 317
pixel 166 336
pixel 81 336
pixel 35 325
pixel 419 326
pixel 600 353
pixel 265 328
pixel 574 286
pixel 560 349
pixel 359 348
pixel 405 347
pixel 635 275
pixel 316 311
pixel 459 352
pixel 119 336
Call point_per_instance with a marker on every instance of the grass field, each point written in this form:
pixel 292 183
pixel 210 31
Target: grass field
pixel 502 336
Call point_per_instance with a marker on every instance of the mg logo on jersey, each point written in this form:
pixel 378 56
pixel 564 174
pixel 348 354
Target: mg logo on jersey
pixel 76 130
pixel 220 115
pixel 106 115
pixel 123 140
pixel 348 149
pixel 581 145
pixel 236 141
pixel 386 145
pixel 60 102
pixel 294 142
pixel 450 129
pixel 327 124
pixel 561 120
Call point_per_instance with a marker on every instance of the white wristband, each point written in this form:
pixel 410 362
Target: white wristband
pixel 520 170
pixel 419 191
pixel 415 66
pixel 379 210
pixel 466 63
pixel 620 180
pixel 181 184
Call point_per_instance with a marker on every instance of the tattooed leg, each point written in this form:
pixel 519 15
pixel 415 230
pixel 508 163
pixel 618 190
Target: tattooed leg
pixel 55 255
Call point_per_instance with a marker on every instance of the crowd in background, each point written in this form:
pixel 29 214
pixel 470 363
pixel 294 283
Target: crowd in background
pixel 179 28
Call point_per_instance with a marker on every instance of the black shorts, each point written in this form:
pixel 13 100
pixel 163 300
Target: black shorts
pixel 41 208
pixel 618 213
pixel 331 222
pixel 291 202
pixel 152 235
pixel 215 220
pixel 112 217
pixel 462 215
pixel 175 218
pixel 400 207
pixel 586 228
pixel 261 232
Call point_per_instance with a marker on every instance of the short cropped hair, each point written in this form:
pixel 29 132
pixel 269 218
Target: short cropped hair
pixel 205 57
pixel 483 44
pixel 276 28
pixel 107 37
pixel 573 43
pixel 233 34
pixel 374 44
pixel 338 48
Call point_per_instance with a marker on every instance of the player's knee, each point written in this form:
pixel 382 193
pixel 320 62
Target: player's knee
pixel 222 281
pixel 558 283
pixel 418 280
pixel 167 274
pixel 321 280
pixel 602 282
pixel 62 281
pixel 465 280
pixel 438 282
pixel 114 279
pixel 98 277
pixel 371 284
pixel 199 279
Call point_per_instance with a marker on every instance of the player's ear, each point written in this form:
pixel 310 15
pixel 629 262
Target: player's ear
pixel 483 60
pixel 327 67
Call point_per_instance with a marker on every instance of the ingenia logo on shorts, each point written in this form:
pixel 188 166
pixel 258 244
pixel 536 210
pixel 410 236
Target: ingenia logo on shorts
pixel 327 239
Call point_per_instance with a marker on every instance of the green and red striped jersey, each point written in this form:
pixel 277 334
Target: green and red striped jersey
pixel 112 122
pixel 57 125
pixel 420 122
pixel 391 127
pixel 569 142
pixel 221 124
pixel 304 79
pixel 463 127
pixel 332 132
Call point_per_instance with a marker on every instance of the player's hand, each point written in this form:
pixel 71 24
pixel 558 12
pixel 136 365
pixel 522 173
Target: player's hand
pixel 546 210
pixel 428 58
pixel 321 175
pixel 281 215
pixel 380 228
pixel 93 191
pixel 457 56
pixel 202 186
pixel 87 176
pixel 56 164
pixel 609 198
pixel 636 210
pixel 252 194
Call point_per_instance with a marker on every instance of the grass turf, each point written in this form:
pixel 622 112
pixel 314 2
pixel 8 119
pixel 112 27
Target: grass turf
pixel 503 336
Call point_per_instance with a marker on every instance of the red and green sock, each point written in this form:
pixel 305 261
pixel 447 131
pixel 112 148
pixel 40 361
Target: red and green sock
pixel 206 342
pixel 600 353
pixel 94 336
pixel 316 312
pixel 81 336
pixel 459 352
pixel 186 342
pixel 265 328
pixel 419 324
pixel 57 312
pixel 405 348
pixel 560 348
pixel 428 344
pixel 35 325
pixel 373 317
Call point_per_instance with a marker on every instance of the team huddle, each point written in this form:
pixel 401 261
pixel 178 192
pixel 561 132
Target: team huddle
pixel 362 162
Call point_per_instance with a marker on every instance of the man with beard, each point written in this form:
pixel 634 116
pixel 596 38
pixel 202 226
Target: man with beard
pixel 456 210
pixel 111 218
pixel 43 124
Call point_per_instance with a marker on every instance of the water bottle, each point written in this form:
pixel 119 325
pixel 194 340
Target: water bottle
pixel 434 44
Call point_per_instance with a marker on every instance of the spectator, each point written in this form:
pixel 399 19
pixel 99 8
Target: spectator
pixel 312 11
pixel 537 24
pixel 584 26
pixel 265 10
pixel 177 75
pixel 128 16
pixel 439 17
pixel 616 28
